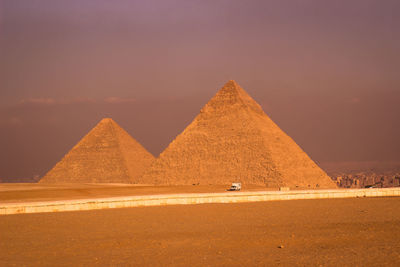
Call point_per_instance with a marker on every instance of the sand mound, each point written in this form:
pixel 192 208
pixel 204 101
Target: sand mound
pixel 107 154
pixel 233 140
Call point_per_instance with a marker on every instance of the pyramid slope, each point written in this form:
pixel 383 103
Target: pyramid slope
pixel 232 139
pixel 107 154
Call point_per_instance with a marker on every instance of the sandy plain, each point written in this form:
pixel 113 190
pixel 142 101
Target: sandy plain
pixel 329 232
pixel 32 192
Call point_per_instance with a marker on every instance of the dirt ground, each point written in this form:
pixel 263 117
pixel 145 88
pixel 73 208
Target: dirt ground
pixel 25 192
pixel 329 232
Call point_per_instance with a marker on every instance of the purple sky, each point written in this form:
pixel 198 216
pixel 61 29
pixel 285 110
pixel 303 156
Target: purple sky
pixel 327 72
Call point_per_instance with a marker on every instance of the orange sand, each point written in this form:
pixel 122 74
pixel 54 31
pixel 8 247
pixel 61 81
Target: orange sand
pixel 339 232
pixel 26 192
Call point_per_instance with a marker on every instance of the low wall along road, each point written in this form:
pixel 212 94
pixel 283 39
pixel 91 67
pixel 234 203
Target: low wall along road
pixel 194 198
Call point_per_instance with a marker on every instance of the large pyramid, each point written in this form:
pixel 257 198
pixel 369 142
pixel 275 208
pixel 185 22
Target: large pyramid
pixel 233 140
pixel 107 154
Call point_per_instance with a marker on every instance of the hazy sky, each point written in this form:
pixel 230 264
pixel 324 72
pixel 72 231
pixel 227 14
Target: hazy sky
pixel 327 72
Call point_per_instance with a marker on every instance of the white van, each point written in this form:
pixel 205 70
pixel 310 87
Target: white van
pixel 235 187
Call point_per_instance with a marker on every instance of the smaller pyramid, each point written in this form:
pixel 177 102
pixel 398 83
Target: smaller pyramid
pixel 107 154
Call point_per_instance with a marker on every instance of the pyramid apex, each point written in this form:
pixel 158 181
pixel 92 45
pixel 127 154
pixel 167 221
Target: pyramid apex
pixel 106 120
pixel 232 88
pixel 231 84
pixel 231 96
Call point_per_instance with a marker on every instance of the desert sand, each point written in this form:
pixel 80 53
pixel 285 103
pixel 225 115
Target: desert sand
pixel 340 232
pixel 30 192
